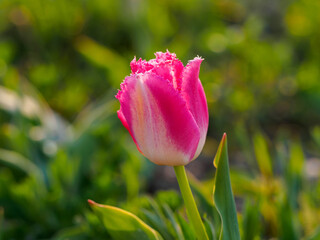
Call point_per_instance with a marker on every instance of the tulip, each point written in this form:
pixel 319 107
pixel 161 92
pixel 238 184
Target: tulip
pixel 164 108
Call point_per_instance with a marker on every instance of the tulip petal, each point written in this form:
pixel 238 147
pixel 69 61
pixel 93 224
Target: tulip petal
pixel 193 93
pixel 166 65
pixel 125 124
pixel 169 67
pixel 158 119
pixel 171 71
pixel 140 66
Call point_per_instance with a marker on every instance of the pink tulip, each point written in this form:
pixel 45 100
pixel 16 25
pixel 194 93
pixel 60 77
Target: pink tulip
pixel 164 108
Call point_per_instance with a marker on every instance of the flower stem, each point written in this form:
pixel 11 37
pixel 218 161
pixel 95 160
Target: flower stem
pixel 192 210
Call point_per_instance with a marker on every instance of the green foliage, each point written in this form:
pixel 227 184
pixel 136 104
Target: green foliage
pixel 122 224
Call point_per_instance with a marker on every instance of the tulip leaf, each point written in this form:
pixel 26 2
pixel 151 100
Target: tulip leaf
pixel 121 224
pixel 223 196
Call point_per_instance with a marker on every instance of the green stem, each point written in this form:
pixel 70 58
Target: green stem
pixel 192 210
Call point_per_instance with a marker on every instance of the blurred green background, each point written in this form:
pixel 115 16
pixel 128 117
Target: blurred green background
pixel 61 63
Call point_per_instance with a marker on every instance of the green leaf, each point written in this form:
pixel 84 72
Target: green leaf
pixel 251 225
pixel 187 231
pixel 209 228
pixel 122 224
pixel 156 222
pixel 262 155
pixel 175 224
pixel 167 230
pixel 223 196
pixel 294 174
pixel 288 228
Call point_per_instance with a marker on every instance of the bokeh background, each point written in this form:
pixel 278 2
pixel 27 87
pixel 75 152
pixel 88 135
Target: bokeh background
pixel 61 63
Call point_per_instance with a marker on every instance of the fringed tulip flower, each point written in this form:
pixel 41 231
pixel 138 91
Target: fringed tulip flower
pixel 164 108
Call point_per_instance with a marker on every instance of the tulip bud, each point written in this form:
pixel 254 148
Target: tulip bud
pixel 164 108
